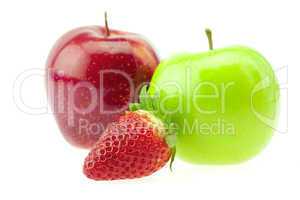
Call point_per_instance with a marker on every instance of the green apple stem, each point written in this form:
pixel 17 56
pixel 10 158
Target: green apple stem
pixel 209 37
pixel 106 24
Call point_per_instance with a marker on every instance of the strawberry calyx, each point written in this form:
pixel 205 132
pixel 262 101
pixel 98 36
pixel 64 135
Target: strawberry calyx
pixel 148 105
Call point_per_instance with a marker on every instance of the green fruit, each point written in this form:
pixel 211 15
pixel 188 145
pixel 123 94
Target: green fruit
pixel 224 102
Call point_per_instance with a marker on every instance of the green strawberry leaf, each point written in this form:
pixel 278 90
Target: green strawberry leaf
pixel 173 149
pixel 134 106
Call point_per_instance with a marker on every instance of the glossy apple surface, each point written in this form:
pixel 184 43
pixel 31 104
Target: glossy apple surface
pixel 92 76
pixel 224 101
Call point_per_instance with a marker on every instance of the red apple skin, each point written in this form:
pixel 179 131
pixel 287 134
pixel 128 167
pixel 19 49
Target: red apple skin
pixel 84 104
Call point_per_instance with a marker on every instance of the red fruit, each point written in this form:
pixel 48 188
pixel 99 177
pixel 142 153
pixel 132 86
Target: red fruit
pixel 82 102
pixel 133 147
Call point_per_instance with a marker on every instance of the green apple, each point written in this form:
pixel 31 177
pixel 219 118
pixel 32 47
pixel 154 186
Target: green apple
pixel 224 103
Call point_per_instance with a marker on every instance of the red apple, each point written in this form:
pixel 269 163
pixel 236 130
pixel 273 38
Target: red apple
pixel 93 74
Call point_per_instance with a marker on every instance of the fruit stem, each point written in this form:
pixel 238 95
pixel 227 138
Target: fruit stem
pixel 106 24
pixel 209 37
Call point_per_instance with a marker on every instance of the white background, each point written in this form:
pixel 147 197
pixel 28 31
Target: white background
pixel 36 162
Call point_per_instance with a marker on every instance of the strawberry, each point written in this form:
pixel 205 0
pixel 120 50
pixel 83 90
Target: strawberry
pixel 136 145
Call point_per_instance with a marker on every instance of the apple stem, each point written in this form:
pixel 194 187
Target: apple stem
pixel 209 37
pixel 106 24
